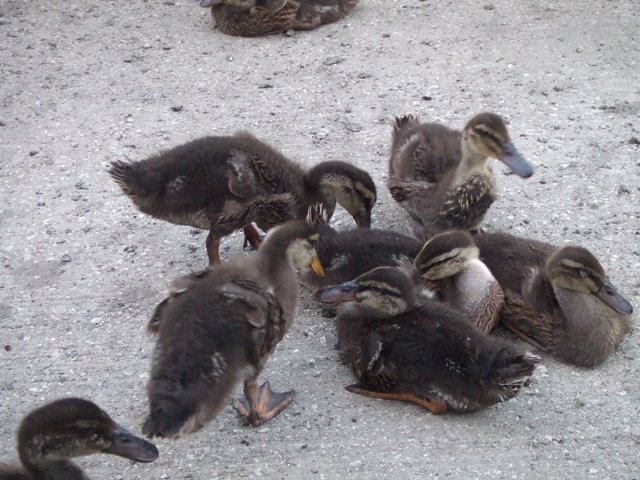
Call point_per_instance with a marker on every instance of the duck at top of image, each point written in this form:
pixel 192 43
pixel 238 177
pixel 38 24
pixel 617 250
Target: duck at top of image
pixel 254 18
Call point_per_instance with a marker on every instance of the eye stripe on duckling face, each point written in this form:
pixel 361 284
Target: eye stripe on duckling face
pixel 490 139
pixel 448 263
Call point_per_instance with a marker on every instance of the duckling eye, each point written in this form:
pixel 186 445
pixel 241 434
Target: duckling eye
pixel 583 273
pixel 348 190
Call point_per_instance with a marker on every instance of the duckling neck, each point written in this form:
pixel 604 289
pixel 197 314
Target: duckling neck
pixel 471 162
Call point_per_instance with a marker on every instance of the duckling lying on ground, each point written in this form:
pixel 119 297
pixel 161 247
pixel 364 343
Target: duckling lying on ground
pixel 441 177
pixel 252 18
pixel 71 427
pixel 224 183
pixel 557 299
pixel 221 329
pixel 425 353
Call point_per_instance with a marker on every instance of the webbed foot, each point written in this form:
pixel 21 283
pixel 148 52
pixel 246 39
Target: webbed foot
pixel 435 406
pixel 266 404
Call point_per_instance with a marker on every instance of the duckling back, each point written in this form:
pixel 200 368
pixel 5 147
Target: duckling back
pixel 190 184
pixel 210 338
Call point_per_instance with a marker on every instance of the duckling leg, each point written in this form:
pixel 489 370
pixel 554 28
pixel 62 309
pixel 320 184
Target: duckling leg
pixel 261 404
pixel 213 248
pixel 252 236
pixel 435 406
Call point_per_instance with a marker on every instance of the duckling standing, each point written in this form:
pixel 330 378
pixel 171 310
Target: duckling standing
pixel 71 427
pixel 221 329
pixel 441 177
pixel 252 18
pixel 557 299
pixel 449 262
pixel 426 353
pixel 224 183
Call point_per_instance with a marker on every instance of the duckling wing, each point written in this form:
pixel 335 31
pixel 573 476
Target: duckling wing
pixel 177 287
pixel 466 205
pixel 266 211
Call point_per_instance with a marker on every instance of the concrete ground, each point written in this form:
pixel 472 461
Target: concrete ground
pixel 86 82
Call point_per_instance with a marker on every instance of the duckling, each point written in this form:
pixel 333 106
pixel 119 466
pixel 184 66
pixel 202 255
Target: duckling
pixel 346 254
pixel 558 299
pixel 426 353
pixel 441 177
pixel 71 427
pixel 224 183
pixel 252 18
pixel 449 262
pixel 221 329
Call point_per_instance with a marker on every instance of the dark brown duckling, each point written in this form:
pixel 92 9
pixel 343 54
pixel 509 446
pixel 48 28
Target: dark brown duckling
pixel 449 263
pixel 221 329
pixel 71 427
pixel 224 183
pixel 557 299
pixel 253 18
pixel 427 353
pixel 441 177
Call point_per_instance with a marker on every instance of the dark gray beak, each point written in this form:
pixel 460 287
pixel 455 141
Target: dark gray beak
pixel 345 292
pixel 363 220
pixel 210 3
pixel 516 162
pixel 127 445
pixel 609 295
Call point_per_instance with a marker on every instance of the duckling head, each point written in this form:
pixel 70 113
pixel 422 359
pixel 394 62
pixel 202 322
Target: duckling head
pixel 387 290
pixel 486 136
pixel 73 427
pixel 445 255
pixel 351 187
pixel 299 240
pixel 575 268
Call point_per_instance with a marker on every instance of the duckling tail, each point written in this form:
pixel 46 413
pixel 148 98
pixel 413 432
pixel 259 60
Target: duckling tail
pixel 169 419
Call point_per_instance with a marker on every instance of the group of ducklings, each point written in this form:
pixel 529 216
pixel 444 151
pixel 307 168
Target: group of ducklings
pixel 413 312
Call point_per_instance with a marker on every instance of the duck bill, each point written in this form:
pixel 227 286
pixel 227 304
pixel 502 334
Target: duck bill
pixel 127 445
pixel 345 292
pixel 316 266
pixel 363 220
pixel 210 3
pixel 516 162
pixel 610 296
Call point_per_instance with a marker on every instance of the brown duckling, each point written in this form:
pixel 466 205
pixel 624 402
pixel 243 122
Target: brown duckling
pixel 253 18
pixel 232 181
pixel 346 254
pixel 71 427
pixel 441 177
pixel 427 353
pixel 557 299
pixel 449 263
pixel 221 329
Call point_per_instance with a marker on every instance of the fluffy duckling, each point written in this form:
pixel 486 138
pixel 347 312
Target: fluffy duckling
pixel 441 176
pixel 71 427
pixel 221 329
pixel 223 183
pixel 449 263
pixel 426 353
pixel 557 299
pixel 252 18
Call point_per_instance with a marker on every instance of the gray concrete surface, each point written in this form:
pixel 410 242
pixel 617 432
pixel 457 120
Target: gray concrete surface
pixel 86 82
